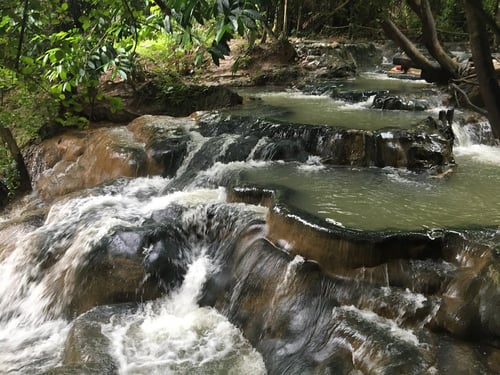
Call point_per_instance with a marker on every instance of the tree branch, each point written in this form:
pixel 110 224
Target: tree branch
pixel 483 65
pixel 423 9
pixel 163 7
pixel 393 32
pixel 471 105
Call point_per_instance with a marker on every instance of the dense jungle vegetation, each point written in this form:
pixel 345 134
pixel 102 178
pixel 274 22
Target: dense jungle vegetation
pixel 53 53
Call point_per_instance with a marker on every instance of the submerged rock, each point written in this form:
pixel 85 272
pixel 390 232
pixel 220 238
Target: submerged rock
pixel 87 350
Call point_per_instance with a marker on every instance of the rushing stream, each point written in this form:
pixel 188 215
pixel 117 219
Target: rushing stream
pixel 167 275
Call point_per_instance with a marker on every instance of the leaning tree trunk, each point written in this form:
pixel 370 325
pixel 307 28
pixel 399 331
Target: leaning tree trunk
pixel 423 10
pixel 481 55
pixel 418 58
pixel 24 177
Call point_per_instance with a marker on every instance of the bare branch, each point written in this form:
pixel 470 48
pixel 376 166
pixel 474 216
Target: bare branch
pixel 471 105
pixel 393 32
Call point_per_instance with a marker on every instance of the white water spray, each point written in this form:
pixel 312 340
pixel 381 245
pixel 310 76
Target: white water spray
pixel 175 336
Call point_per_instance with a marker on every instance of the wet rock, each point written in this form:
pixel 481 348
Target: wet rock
pixel 336 248
pixel 87 350
pixel 275 312
pixel 305 319
pixel 417 149
pixel 166 141
pixel 471 298
pixel 391 102
pixel 356 96
pixel 282 149
pixel 132 265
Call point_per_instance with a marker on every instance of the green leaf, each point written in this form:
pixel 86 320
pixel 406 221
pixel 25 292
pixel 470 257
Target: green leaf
pixel 122 74
pixel 199 59
pixel 252 13
pixel 104 58
pixel 167 24
pixel 27 60
pixel 4 21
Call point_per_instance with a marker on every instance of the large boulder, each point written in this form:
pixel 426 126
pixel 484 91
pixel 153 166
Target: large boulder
pixel 130 264
pixel 85 158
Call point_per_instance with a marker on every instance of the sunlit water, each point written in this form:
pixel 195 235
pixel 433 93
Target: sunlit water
pixel 376 199
pixel 295 106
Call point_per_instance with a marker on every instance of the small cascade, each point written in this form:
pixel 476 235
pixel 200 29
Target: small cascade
pixel 118 243
pixel 283 287
pixel 472 133
pixel 173 335
pixel 177 275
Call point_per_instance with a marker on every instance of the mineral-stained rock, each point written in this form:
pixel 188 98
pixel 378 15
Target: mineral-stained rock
pixel 150 145
pixel 417 149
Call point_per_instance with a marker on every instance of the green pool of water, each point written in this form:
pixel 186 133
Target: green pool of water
pixel 373 198
pixel 379 199
pixel 292 105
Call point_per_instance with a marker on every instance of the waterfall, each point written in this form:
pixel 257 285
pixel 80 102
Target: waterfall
pixel 475 141
pixel 49 267
pixel 175 336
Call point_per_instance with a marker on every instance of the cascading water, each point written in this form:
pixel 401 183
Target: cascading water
pixel 42 274
pixel 174 335
pixel 165 276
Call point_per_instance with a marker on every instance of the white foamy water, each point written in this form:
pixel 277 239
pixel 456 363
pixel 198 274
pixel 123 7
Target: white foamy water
pixel 38 278
pixel 313 163
pixel 468 143
pixel 480 153
pixel 176 336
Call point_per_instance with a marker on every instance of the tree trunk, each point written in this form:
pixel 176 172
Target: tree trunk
pixel 278 25
pixel 418 58
pixel 481 55
pixel 285 20
pixel 24 177
pixel 431 41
